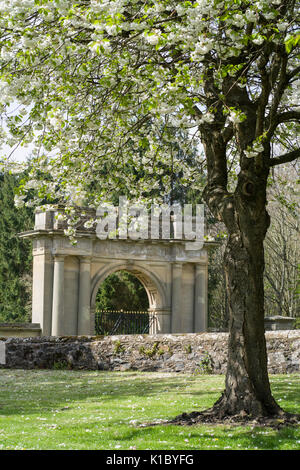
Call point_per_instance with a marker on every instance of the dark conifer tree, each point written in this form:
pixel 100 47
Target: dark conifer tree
pixel 15 254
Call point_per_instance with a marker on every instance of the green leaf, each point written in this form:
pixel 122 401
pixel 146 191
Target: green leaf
pixel 292 42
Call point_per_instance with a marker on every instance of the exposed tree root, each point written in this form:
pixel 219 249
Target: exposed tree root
pixel 215 416
pixel 218 415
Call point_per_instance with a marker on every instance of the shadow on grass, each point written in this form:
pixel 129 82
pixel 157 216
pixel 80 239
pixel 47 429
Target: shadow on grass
pixel 212 437
pixel 34 391
pixel 259 437
pixel 41 391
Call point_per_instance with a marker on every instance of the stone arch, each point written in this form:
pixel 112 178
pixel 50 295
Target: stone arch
pixel 159 310
pixel 66 277
pixel 153 285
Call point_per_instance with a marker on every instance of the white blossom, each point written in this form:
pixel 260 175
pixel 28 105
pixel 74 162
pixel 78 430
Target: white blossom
pixel 111 30
pixel 89 224
pixel 19 200
pixel 103 97
pixel 207 117
pixel 282 26
pixel 152 39
pixel 258 40
pixel 253 151
pixel 251 16
pixel 235 117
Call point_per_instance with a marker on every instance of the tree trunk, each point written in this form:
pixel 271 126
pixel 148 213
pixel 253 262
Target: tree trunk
pixel 247 393
pixel 247 388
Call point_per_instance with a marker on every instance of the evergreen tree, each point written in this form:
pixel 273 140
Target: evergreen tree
pixel 15 254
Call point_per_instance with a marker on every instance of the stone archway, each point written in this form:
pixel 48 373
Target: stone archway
pixel 159 309
pixel 66 277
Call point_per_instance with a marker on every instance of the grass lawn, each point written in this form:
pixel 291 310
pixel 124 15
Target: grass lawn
pixel 61 409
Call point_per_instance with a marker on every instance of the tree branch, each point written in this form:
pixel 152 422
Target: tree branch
pixel 288 116
pixel 293 73
pixel 280 118
pixel 278 92
pixel 265 92
pixel 285 158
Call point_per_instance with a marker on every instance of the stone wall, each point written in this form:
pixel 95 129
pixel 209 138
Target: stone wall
pixel 23 330
pixel 190 353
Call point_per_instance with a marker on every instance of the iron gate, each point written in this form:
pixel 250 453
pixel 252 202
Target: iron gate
pixel 119 322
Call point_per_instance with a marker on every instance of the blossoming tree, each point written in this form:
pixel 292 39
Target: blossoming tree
pixel 100 88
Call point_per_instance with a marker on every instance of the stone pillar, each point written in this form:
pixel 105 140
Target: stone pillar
pixel 187 302
pixel 176 297
pixel 160 320
pixel 58 296
pixel 153 330
pixel 93 321
pixel 200 300
pixel 71 294
pixel 84 317
pixel 42 290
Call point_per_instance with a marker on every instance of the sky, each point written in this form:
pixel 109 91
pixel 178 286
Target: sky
pixel 21 153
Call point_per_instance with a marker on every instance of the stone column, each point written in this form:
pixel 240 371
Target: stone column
pixel 153 330
pixel 176 297
pixel 58 296
pixel 84 317
pixel 200 300
pixel 42 290
pixel 160 320
pixel 93 321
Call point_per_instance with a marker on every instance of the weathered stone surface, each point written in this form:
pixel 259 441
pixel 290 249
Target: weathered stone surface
pixel 190 353
pixel 19 329
pixel 279 323
pixel 66 277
